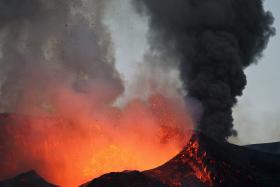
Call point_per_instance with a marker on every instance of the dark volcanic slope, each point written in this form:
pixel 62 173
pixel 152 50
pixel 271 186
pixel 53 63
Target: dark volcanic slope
pixel 125 179
pixel 219 164
pixel 273 148
pixel 29 179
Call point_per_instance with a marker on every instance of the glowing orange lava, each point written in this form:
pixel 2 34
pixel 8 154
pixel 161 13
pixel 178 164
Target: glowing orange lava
pixel 75 141
pixel 195 159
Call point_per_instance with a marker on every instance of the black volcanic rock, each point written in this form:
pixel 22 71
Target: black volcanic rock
pixel 125 179
pixel 219 164
pixel 29 179
pixel 273 148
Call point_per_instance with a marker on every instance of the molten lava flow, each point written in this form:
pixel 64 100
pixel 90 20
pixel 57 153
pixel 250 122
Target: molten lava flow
pixel 195 158
pixel 76 141
pixel 191 167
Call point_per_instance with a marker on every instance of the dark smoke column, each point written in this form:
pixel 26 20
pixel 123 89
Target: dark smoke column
pixel 215 40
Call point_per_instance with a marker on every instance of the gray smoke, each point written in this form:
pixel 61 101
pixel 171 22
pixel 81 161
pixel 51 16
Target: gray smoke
pixel 45 43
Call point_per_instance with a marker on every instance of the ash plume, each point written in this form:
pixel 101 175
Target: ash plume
pixel 215 41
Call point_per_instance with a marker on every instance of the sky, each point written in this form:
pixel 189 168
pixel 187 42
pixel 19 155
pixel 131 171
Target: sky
pixel 257 114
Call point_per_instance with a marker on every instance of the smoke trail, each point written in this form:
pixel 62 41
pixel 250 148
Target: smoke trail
pixel 215 40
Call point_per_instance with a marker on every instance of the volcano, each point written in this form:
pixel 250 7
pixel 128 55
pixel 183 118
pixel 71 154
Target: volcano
pixel 203 162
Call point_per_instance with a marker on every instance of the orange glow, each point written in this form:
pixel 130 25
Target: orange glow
pixel 81 136
pixel 195 158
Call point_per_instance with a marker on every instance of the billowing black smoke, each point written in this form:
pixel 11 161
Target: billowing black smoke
pixel 215 40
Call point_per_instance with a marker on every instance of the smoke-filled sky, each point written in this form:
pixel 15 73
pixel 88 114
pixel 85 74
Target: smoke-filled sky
pixel 142 71
pixel 257 114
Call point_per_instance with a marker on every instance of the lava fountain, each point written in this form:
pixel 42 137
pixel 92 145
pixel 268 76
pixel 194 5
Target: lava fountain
pixel 76 137
pixel 59 82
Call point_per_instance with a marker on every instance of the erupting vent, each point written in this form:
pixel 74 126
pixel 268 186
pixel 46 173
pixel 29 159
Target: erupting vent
pixel 207 163
pixel 73 150
pixel 202 163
